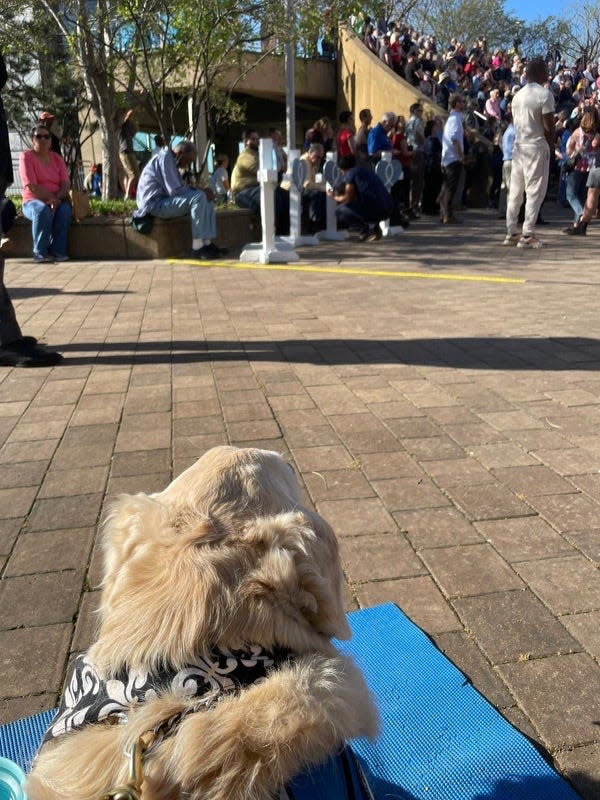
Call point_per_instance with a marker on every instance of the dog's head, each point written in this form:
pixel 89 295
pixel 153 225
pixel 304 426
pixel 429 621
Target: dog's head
pixel 225 556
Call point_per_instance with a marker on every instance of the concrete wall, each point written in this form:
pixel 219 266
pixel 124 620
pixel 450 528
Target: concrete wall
pixel 364 81
pixel 113 238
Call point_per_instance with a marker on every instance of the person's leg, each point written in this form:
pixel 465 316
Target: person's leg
pixel 574 184
pixel 536 166
pixel 60 230
pixel 504 188
pixel 9 327
pixel 249 198
pixel 591 204
pixel 452 178
pixel 417 175
pixel 515 193
pixel 316 209
pixel 3 186
pixel 194 203
pixel 203 216
pixel 201 211
pixel 443 195
pixel 350 217
pixel 282 211
pixel 41 225
pixel 17 350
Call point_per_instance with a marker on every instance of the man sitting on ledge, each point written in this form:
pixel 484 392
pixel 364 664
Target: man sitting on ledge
pixel 162 193
pixel 246 188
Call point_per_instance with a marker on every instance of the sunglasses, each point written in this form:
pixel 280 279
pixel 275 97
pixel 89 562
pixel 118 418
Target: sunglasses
pixel 40 136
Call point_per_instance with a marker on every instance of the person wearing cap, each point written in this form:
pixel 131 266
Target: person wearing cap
pixel 47 120
pixel 127 156
pixel 162 193
pixel 442 92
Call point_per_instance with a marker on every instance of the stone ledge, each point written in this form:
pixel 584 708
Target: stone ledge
pixel 110 238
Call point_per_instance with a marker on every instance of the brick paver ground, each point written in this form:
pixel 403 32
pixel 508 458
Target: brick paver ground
pixel 448 429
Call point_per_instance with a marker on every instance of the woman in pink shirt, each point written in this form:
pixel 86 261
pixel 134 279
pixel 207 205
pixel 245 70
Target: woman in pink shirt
pixel 46 187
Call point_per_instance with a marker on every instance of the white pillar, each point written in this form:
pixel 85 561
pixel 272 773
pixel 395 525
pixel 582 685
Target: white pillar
pixel 331 174
pixel 297 176
pixel 389 171
pixel 268 251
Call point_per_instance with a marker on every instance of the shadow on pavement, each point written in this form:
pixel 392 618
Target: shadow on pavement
pixel 512 353
pixel 22 292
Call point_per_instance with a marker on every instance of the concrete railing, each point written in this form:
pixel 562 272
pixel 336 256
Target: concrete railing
pixel 113 238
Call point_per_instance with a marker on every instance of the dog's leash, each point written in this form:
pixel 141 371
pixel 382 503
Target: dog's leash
pixel 138 751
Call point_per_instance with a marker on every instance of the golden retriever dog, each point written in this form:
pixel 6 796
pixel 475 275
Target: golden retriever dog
pixel 220 597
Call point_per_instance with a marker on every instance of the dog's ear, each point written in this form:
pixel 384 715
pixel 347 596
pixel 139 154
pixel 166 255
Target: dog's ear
pixel 296 578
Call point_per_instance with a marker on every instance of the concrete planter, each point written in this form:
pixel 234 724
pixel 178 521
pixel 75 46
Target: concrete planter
pixel 113 238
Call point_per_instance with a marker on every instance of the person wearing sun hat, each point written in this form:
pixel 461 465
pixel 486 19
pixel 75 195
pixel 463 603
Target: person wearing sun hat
pixel 46 118
pixel 442 92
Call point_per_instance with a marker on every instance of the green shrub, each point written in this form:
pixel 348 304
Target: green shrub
pixel 111 208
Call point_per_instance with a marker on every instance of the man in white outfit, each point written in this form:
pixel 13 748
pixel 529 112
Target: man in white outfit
pixel 533 118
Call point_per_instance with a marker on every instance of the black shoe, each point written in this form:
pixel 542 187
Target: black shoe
pixel 375 236
pixel 578 229
pixel 209 252
pixel 26 352
pixel 363 235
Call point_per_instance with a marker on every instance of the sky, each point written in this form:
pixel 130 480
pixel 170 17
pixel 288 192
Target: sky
pixel 530 10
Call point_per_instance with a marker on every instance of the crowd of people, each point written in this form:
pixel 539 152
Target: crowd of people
pixel 488 80
pixel 448 159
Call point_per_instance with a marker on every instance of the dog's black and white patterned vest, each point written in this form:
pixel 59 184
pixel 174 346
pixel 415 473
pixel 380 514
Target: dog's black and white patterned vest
pixel 88 698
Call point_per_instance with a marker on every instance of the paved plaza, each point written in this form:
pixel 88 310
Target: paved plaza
pixel 438 394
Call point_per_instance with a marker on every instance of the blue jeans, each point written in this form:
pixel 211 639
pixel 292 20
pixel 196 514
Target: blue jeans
pixel 193 202
pixel 576 192
pixel 250 198
pixel 49 231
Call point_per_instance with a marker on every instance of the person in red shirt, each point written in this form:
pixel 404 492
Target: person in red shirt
pixel 345 143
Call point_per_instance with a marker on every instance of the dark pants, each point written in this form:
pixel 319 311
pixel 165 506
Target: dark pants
pixel 314 208
pixel 355 215
pixel 452 176
pixel 250 198
pixel 9 327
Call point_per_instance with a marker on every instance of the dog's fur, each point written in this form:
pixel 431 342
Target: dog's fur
pixel 225 556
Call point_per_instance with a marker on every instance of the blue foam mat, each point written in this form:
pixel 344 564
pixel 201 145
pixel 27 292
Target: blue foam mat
pixel 440 739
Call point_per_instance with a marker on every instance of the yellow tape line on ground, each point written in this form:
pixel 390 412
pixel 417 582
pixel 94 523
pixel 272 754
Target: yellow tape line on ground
pixel 345 271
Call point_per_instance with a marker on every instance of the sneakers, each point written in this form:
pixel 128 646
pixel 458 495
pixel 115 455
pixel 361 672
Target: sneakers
pixel 60 259
pixel 529 243
pixel 209 252
pixel 511 240
pixel 40 259
pixel 26 352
